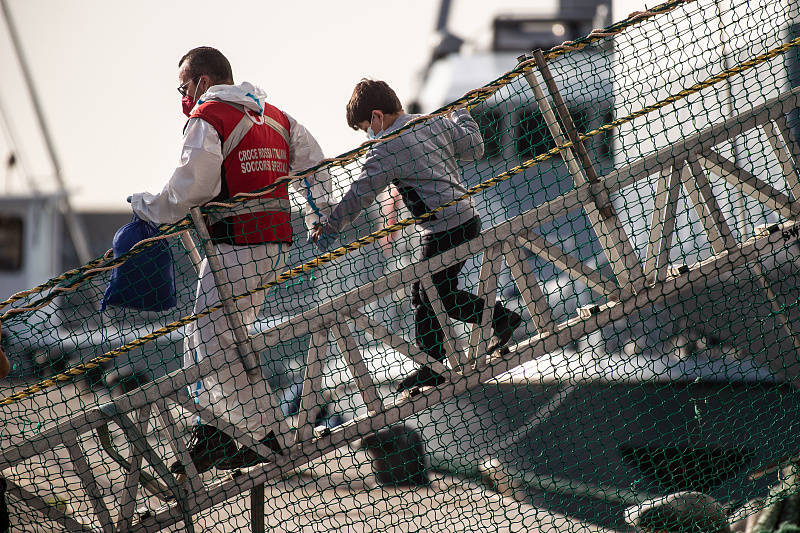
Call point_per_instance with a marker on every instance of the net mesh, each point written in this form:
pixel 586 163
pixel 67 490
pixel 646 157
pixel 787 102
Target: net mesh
pixel 609 343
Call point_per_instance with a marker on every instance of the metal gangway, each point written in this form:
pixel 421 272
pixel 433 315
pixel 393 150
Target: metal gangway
pixel 639 282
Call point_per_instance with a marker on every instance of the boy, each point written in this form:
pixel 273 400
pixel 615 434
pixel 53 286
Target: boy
pixel 423 164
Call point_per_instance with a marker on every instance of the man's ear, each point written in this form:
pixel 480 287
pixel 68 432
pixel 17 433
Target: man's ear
pixel 207 82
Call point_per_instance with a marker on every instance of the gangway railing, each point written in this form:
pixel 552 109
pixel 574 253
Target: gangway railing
pixel 640 281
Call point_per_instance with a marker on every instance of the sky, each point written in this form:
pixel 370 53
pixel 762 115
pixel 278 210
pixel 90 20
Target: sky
pixel 106 73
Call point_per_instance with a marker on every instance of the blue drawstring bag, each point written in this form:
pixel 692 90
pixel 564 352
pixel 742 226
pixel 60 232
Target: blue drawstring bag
pixel 146 280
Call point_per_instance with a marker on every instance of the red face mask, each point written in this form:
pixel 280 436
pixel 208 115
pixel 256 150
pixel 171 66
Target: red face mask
pixel 187 104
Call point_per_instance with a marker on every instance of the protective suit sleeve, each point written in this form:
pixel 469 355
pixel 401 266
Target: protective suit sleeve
pixel 305 152
pixel 195 181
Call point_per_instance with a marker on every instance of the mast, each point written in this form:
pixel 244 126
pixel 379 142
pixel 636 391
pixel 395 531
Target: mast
pixel 76 230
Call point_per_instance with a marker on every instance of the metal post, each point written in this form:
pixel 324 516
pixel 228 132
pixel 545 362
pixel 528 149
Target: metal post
pixel 251 364
pixel 601 214
pixel 257 509
pixel 191 249
pixel 569 125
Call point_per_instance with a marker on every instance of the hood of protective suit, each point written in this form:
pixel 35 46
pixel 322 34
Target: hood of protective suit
pixel 245 94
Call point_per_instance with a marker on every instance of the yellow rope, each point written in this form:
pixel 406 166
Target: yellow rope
pixel 90 272
pixel 383 232
pixel 473 97
pixel 49 283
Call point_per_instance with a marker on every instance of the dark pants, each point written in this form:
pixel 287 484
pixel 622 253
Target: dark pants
pixel 459 305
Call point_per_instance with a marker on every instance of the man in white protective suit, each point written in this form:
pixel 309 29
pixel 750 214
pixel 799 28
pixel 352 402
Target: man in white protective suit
pixel 234 142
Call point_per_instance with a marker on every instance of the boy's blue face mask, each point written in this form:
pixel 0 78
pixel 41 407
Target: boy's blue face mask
pixel 371 133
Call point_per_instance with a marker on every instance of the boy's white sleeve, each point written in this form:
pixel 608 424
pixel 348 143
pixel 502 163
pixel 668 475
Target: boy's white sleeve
pixel 305 152
pixel 195 181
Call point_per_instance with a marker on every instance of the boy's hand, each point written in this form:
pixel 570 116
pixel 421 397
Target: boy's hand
pixel 315 233
pixel 459 111
pixel 322 240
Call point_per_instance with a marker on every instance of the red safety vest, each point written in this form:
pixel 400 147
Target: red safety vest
pixel 256 153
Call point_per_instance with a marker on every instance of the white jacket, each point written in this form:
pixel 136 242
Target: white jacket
pixel 198 178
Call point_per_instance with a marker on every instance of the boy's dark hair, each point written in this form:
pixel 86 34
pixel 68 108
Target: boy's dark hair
pixel 371 95
pixel 208 61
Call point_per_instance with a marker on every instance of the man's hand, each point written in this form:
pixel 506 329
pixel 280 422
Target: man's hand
pixel 5 365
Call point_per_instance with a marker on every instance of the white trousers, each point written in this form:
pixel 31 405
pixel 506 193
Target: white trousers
pixel 225 390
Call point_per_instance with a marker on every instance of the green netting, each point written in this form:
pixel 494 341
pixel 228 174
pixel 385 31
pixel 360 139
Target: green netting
pixel 637 204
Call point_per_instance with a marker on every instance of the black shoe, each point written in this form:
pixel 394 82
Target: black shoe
pixel 208 446
pixel 504 331
pixel 247 456
pixel 424 377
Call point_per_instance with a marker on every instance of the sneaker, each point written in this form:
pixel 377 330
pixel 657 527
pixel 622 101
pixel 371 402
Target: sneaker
pixel 424 377
pixel 503 333
pixel 208 446
pixel 247 456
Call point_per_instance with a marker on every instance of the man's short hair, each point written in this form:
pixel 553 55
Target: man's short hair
pixel 207 61
pixel 371 95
